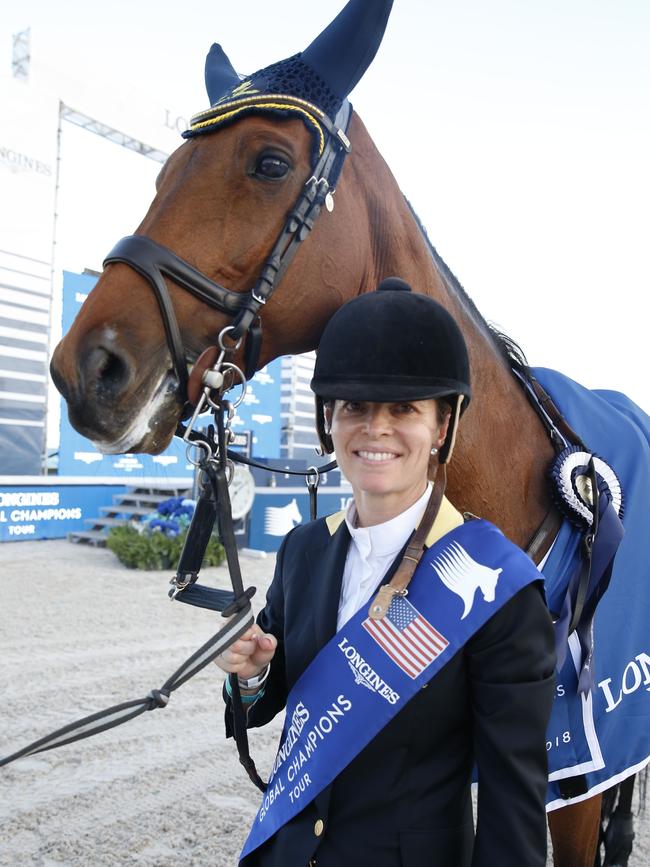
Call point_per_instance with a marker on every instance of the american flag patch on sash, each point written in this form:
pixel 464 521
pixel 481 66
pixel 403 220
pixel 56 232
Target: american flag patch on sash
pixel 406 636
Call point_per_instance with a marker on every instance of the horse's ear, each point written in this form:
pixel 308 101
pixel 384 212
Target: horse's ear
pixel 346 48
pixel 220 76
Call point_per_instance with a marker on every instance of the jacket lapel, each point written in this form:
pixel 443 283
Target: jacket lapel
pixel 447 519
pixel 325 566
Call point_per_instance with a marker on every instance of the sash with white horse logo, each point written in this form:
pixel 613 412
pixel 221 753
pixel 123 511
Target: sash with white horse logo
pixel 371 668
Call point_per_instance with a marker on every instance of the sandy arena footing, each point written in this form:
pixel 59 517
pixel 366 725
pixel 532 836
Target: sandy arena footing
pixel 79 632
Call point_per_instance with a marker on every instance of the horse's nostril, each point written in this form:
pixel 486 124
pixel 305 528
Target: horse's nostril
pixel 106 370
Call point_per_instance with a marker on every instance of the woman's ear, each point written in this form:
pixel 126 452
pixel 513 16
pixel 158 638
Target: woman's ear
pixel 444 426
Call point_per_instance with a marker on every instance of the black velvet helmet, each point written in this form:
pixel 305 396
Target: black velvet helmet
pixel 392 345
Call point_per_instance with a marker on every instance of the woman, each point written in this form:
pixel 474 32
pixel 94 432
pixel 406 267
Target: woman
pixel 408 643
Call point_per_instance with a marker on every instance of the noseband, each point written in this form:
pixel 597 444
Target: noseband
pixel 155 262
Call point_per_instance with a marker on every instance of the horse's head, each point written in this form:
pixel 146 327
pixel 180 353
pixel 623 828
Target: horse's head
pixel 221 230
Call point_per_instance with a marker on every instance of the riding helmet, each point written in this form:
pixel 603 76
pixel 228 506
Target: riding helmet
pixel 391 345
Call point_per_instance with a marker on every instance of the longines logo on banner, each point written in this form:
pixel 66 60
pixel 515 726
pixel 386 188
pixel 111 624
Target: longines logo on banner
pixel 17 162
pixel 365 675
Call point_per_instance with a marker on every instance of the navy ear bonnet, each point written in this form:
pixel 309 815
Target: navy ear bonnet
pixel 312 85
pixel 290 77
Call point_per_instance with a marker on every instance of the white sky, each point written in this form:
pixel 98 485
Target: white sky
pixel 519 130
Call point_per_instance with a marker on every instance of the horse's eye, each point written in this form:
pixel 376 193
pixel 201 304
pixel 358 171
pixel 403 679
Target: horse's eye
pixel 271 167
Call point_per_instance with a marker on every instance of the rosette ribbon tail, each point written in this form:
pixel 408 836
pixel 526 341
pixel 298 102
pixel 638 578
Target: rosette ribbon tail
pixel 589 582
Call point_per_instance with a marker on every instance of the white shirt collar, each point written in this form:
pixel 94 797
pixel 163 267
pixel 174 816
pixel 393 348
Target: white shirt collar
pixel 389 537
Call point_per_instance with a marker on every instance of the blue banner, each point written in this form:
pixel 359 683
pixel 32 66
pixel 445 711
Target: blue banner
pixel 260 411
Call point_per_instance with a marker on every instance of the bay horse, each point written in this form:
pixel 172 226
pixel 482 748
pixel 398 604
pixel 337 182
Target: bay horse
pixel 222 201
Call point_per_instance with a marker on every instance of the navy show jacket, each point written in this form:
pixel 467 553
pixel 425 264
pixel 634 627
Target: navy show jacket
pixel 406 798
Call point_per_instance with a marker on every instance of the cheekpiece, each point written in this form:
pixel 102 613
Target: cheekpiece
pixel 571 482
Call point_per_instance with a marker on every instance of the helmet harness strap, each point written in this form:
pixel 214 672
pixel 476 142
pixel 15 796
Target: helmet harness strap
pixel 450 439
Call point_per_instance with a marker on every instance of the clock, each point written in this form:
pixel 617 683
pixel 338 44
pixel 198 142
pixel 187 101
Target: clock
pixel 242 492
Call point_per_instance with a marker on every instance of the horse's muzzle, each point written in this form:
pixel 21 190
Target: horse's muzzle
pixel 108 401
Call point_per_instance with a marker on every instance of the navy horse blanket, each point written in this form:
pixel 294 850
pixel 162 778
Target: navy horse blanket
pixel 604 734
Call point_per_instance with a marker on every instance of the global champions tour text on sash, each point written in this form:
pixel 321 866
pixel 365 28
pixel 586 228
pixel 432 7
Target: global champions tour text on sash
pixel 319 730
pixel 317 733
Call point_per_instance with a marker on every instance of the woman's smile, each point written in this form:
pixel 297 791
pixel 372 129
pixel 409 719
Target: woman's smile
pixel 383 450
pixel 375 456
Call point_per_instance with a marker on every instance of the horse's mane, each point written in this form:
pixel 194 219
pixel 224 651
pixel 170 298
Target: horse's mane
pixel 507 348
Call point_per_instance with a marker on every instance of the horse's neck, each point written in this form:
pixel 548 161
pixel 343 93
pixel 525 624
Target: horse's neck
pixel 498 467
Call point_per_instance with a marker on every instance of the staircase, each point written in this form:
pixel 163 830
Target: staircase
pixel 133 505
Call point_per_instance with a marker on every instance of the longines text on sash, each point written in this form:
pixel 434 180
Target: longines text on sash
pixel 367 672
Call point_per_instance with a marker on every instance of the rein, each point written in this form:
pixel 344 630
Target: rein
pixel 213 506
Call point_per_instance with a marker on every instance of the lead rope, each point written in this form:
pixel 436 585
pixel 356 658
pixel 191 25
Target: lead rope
pixel 214 505
pixel 215 470
pixel 227 536
pixel 240 618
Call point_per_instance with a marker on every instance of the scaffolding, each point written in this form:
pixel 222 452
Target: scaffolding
pixel 21 55
pixel 78 118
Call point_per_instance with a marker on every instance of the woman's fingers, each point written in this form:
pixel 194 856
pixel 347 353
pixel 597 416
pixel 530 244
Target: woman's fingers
pixel 242 648
pixel 250 654
pixel 265 649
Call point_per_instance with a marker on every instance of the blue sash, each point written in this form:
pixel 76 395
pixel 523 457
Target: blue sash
pixel 371 668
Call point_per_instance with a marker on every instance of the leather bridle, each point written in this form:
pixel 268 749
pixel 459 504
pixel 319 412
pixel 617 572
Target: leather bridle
pixel 155 262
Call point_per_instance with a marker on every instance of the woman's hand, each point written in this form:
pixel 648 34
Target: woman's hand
pixel 249 655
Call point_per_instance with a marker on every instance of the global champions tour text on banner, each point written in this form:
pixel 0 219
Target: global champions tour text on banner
pixel 367 672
